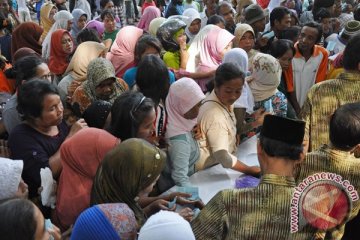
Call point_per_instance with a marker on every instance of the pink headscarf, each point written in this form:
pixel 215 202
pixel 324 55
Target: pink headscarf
pixel 183 95
pixel 150 13
pixel 121 54
pixel 214 43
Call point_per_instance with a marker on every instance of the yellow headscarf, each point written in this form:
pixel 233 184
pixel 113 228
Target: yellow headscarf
pixel 46 23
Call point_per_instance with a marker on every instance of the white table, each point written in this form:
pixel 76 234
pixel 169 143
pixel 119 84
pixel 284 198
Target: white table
pixel 212 180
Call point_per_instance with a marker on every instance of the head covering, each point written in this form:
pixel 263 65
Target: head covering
pixel 10 176
pixel 99 70
pixel 126 170
pixel 96 114
pixel 106 221
pixel 80 158
pixel 61 22
pixel 351 29
pixel 192 15
pixel 84 53
pixel 45 21
pixel 183 95
pixel 97 26
pixel 195 46
pixel 24 52
pixel 283 129
pixel 266 71
pixel 27 34
pixel 240 30
pixel 121 54
pixel 58 60
pixel 166 223
pixel 85 6
pixel 150 13
pixel 253 13
pixel 214 43
pixel 167 31
pixel 155 24
pixel 240 8
pixel 239 57
pixel 77 13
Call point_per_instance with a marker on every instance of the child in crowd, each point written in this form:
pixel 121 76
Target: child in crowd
pixel 108 18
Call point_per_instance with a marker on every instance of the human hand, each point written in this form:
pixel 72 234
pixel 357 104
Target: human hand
pixel 171 196
pixel 55 232
pixel 186 213
pixel 161 204
pixel 4 149
pixel 77 126
pixel 259 116
pixel 196 132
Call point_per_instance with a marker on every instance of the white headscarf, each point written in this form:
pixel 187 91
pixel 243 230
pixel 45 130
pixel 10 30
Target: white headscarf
pixel 61 22
pixel 10 176
pixel 77 13
pixel 239 57
pixel 183 95
pixel 192 15
pixel 266 73
pixel 166 223
pixel 85 6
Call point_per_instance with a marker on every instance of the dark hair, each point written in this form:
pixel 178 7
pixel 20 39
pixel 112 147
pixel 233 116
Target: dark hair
pixel 345 126
pixel 321 14
pixel 275 148
pixel 144 42
pixel 31 95
pixel 152 78
pixel 17 220
pixel 291 33
pixel 215 19
pixel 352 54
pixel 279 47
pixel 127 113
pixel 96 113
pixel 103 3
pixel 278 14
pixel 86 35
pixel 357 13
pixel 318 27
pixel 107 13
pixel 24 69
pixel 222 4
pixel 227 72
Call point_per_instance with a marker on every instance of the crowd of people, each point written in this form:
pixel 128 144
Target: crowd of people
pixel 119 101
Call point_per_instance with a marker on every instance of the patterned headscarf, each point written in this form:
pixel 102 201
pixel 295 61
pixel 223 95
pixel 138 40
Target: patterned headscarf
pixel 106 221
pixel 99 70
pixel 126 170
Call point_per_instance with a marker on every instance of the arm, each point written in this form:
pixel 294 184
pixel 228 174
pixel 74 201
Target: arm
pixel 323 68
pixel 184 55
pixel 294 102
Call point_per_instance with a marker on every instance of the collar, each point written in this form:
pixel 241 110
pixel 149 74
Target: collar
pixel 316 51
pixel 350 76
pixel 213 97
pixel 335 153
pixel 278 180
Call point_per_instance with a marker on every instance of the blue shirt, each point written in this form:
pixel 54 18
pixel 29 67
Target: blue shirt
pixel 130 76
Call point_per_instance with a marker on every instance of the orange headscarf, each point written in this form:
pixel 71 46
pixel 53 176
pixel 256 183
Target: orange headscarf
pixel 58 61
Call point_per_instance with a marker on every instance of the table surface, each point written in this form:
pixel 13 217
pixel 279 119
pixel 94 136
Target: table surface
pixel 210 181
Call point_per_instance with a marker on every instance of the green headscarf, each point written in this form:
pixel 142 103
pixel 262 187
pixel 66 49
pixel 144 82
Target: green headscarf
pixel 126 170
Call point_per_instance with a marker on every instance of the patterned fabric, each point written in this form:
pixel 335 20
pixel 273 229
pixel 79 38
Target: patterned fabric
pixel 251 213
pixel 119 12
pixel 321 102
pixel 276 104
pixel 327 159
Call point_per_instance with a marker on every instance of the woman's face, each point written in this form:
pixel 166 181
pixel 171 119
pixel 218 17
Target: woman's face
pixel 193 112
pixel 67 43
pixel 230 91
pixel 147 128
pixel 52 13
pixel 43 72
pixel 81 22
pixel 104 90
pixel 69 24
pixel 109 5
pixel 195 26
pixel 226 49
pixel 40 233
pixel 285 60
pixel 109 24
pixel 180 37
pixel 247 41
pixel 4 7
pixel 145 192
pixel 52 112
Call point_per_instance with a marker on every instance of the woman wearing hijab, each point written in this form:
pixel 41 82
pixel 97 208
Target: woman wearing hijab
pixel 265 79
pixel 149 14
pixel 26 35
pixel 101 84
pixel 80 19
pixel 106 221
pixel 61 48
pixel 63 20
pixel 121 54
pixel 127 173
pixel 77 68
pixel 97 26
pixel 80 157
pixel 245 39
pixel 193 23
pixel 216 43
pixel 155 24
pixel 47 13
